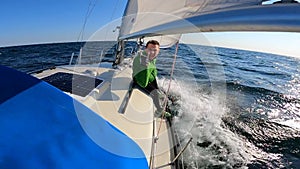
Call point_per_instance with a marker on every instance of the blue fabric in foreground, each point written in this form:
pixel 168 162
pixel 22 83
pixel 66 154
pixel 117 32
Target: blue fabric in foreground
pixel 40 129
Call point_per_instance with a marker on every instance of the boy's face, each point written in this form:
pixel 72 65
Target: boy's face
pixel 152 50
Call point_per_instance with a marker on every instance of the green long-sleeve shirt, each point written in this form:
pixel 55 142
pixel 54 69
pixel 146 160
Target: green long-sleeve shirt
pixel 142 74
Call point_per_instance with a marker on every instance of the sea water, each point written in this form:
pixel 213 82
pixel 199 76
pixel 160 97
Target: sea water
pixel 242 108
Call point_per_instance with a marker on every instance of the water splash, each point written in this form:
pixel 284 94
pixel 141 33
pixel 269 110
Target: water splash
pixel 200 116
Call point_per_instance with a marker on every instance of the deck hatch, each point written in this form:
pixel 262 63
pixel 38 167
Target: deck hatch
pixel 73 83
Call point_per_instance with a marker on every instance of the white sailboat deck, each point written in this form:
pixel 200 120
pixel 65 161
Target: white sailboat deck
pixel 130 113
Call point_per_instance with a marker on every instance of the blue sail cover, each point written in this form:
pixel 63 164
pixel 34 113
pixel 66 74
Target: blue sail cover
pixel 39 128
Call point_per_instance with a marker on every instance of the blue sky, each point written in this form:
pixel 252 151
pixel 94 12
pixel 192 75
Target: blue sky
pixel 282 43
pixel 47 21
pixel 41 21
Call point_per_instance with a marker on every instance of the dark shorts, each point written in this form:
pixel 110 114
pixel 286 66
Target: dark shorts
pixel 149 88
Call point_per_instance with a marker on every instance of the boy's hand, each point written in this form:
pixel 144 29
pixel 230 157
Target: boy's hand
pixel 144 60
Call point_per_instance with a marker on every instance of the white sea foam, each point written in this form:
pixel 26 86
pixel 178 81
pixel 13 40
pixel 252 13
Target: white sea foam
pixel 200 117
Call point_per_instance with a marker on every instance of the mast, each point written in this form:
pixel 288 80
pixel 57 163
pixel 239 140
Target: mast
pixel 120 48
pixel 119 54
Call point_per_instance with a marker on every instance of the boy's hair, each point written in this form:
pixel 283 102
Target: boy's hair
pixel 153 42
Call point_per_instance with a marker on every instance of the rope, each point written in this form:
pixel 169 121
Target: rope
pixel 88 13
pixel 169 86
pixel 111 17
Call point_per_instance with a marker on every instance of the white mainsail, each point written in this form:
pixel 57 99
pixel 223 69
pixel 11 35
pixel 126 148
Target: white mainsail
pixel 173 17
pixel 142 14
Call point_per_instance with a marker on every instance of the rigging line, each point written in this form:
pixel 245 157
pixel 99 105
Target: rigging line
pixel 112 15
pixel 169 86
pixel 115 9
pixel 88 13
pixel 84 22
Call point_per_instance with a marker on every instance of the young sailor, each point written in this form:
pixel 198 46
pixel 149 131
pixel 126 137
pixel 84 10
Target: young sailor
pixel 145 72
